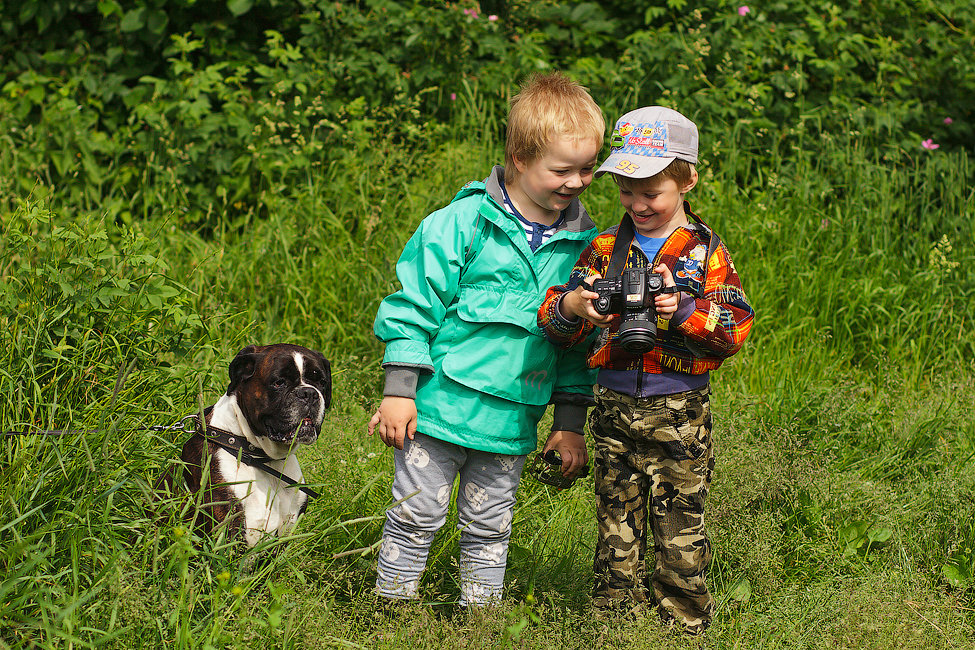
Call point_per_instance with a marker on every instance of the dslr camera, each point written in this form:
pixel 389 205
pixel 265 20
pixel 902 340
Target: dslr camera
pixel 631 296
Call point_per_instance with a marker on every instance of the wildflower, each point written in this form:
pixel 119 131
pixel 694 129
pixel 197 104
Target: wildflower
pixel 948 120
pixel 929 144
pixel 744 9
pixel 492 17
pixel 453 97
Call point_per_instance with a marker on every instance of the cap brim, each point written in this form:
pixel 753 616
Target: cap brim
pixel 630 166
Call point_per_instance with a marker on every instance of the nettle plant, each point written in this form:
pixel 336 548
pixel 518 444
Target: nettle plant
pixel 82 306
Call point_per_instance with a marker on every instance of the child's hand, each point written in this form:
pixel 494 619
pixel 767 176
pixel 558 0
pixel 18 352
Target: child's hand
pixel 578 304
pixel 395 420
pixel 571 447
pixel 666 303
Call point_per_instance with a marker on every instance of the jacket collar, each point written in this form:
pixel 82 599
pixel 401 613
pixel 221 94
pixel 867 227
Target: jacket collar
pixel 576 217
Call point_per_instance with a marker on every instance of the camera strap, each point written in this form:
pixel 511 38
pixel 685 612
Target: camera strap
pixel 624 237
pixel 621 247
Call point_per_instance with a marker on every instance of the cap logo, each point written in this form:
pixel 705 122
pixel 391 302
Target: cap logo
pixel 625 129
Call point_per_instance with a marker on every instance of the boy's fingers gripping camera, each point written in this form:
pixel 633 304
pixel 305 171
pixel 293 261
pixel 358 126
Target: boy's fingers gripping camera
pixel 547 468
pixel 631 296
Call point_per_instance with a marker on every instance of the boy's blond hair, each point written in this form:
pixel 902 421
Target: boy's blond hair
pixel 549 106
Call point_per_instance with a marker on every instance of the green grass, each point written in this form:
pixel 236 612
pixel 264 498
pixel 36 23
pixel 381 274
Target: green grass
pixel 842 506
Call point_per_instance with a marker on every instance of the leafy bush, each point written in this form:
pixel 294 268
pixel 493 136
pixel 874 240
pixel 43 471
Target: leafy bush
pixel 207 107
pixel 79 313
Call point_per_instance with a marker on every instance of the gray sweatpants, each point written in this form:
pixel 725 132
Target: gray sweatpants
pixel 485 504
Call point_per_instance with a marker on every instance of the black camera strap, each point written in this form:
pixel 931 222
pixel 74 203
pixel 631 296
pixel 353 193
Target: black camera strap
pixel 621 247
pixel 624 237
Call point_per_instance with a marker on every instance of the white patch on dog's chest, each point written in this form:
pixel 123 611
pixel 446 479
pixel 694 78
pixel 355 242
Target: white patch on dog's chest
pixel 270 506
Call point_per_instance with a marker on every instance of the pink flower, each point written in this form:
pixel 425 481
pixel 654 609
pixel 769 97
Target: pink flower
pixel 948 120
pixel 470 12
pixel 492 17
pixel 744 9
pixel 453 97
pixel 929 144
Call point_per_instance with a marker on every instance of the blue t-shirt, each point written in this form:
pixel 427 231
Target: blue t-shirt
pixel 650 245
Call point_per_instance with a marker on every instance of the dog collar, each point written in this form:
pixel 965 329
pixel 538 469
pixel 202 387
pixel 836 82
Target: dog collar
pixel 247 453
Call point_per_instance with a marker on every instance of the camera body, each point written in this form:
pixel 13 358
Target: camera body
pixel 631 296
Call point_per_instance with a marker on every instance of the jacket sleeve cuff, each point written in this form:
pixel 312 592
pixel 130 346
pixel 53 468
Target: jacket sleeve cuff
pixel 401 381
pixel 684 309
pixel 569 417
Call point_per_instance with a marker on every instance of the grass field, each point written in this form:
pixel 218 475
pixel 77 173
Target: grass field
pixel 843 508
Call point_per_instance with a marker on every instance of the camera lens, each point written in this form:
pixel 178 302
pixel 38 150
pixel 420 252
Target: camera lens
pixel 637 336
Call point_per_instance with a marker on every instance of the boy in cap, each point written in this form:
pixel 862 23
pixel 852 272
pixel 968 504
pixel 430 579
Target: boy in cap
pixel 652 421
pixel 468 372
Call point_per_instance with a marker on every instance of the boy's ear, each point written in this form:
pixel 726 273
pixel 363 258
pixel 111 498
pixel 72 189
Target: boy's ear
pixel 691 183
pixel 520 164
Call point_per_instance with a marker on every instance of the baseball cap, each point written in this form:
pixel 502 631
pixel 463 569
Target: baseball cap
pixel 646 140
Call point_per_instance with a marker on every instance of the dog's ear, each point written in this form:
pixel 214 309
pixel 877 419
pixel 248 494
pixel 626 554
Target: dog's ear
pixel 243 366
pixel 327 379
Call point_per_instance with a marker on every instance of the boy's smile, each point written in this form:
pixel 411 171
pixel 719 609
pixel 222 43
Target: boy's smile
pixel 655 204
pixel 546 185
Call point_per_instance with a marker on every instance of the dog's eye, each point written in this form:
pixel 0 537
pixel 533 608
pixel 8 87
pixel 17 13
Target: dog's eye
pixel 278 383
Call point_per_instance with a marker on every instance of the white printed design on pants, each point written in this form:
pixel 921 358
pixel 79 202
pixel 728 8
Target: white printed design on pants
pixel 390 551
pixel 505 521
pixel 443 496
pixel 472 593
pixel 418 456
pixel 493 553
pixel 507 462
pixel 475 495
pixel 406 512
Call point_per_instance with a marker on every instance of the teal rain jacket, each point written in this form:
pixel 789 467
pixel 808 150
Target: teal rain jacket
pixel 466 322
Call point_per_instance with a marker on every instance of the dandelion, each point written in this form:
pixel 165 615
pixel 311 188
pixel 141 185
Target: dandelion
pixel 948 120
pixel 929 144
pixel 744 9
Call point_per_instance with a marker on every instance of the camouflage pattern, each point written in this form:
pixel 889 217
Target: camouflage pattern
pixel 657 448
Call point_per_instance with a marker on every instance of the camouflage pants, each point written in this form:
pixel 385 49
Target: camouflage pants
pixel 653 454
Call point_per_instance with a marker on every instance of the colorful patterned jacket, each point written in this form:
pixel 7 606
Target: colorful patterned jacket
pixel 710 324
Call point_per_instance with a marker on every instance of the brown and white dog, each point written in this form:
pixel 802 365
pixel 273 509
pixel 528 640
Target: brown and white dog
pixel 275 402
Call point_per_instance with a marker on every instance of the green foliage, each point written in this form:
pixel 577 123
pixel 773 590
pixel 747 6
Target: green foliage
pixel 886 73
pixel 79 312
pixel 186 177
pixel 205 108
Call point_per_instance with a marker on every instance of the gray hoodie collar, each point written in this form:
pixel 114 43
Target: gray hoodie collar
pixel 576 217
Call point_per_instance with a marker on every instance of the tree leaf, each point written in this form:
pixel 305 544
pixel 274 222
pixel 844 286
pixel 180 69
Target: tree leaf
pixel 239 7
pixel 133 20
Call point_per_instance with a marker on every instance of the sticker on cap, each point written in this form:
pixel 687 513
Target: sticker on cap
pixel 627 167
